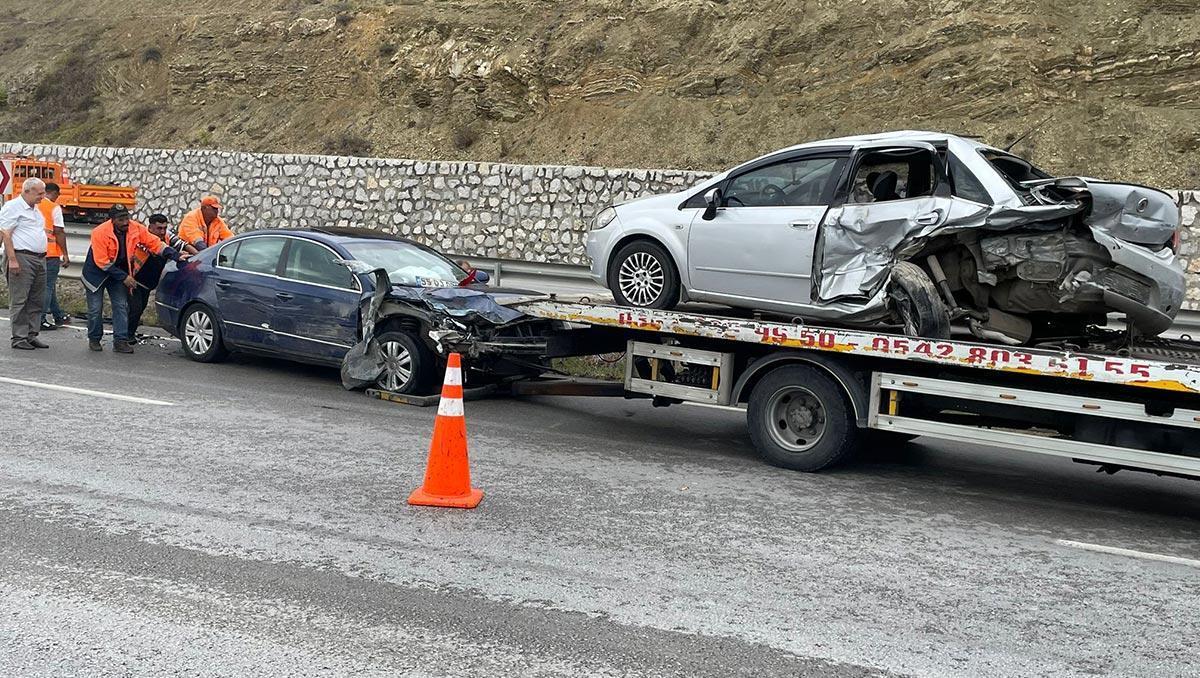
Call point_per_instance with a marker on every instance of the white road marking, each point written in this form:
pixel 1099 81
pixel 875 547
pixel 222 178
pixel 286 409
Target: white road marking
pixel 84 391
pixel 1144 555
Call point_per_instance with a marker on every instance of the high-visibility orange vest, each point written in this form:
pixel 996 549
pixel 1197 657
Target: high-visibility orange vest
pixel 46 207
pixel 193 228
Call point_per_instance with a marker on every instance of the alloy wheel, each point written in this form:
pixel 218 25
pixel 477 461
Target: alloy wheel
pixel 641 278
pixel 397 365
pixel 198 332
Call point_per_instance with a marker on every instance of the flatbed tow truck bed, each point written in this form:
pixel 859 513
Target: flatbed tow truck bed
pixel 814 394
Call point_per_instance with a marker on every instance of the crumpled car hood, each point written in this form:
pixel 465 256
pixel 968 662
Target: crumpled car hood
pixel 463 306
pixel 857 255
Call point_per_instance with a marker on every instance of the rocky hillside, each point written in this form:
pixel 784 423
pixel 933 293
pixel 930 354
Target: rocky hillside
pixel 698 84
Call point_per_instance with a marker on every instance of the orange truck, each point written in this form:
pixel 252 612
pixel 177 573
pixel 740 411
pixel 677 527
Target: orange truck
pixel 87 203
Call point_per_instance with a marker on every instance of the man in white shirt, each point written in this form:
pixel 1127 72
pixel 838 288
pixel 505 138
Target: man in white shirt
pixel 23 229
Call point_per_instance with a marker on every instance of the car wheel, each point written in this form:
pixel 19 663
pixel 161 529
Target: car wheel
pixel 642 274
pixel 200 334
pixel 408 365
pixel 800 418
pixel 917 304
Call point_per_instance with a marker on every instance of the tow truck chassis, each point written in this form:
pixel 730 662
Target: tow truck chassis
pixel 813 395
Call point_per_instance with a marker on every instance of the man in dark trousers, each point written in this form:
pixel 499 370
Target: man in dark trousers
pixel 150 272
pixel 119 247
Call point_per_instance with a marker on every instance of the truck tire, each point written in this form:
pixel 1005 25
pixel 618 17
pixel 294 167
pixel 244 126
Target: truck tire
pixel 917 303
pixel 642 274
pixel 801 418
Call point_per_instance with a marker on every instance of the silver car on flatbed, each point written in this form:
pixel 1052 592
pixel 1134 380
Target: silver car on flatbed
pixel 916 229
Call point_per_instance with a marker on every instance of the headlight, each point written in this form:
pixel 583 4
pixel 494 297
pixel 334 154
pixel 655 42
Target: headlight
pixel 604 218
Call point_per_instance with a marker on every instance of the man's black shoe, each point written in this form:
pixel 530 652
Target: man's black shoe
pixel 122 347
pixel 48 326
pixel 23 345
pixel 37 343
pixel 94 345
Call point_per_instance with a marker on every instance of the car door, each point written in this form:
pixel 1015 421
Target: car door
pixel 759 243
pixel 245 289
pixel 316 313
pixel 894 195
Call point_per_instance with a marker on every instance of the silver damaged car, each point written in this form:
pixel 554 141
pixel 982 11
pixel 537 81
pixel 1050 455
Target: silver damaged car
pixel 910 229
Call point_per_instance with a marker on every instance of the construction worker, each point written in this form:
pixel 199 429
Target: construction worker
pixel 115 245
pixel 203 227
pixel 56 257
pixel 148 270
pixel 23 229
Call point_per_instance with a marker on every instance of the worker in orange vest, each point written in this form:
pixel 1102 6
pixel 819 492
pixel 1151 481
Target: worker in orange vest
pixel 56 257
pixel 119 247
pixel 203 227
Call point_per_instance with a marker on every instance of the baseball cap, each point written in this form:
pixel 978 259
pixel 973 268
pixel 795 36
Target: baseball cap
pixel 118 211
pixel 210 201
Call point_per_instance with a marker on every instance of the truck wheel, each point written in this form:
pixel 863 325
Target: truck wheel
pixel 200 334
pixel 800 418
pixel 408 366
pixel 917 304
pixel 643 274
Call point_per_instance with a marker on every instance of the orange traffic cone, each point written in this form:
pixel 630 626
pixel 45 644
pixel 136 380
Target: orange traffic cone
pixel 447 474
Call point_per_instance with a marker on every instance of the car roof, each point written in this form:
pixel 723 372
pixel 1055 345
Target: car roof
pixel 899 135
pixel 335 234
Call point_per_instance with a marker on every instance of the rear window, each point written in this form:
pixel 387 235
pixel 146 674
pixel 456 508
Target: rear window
pixel 1012 168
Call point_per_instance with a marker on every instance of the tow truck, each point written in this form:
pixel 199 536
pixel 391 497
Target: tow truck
pixel 813 395
pixel 84 203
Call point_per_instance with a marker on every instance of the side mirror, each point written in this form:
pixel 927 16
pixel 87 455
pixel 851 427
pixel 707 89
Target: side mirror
pixel 712 200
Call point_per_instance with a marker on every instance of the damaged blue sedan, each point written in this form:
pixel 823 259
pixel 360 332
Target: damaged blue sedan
pixel 311 295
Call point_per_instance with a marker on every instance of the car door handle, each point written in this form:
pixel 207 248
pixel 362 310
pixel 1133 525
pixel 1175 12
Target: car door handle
pixel 283 296
pixel 929 219
pixel 223 284
pixel 803 225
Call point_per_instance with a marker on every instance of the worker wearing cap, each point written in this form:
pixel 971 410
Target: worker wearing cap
pixel 203 227
pixel 110 265
pixel 148 269
pixel 56 257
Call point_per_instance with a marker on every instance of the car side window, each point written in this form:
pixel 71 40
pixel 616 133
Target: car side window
pixel 313 263
pixel 965 183
pixel 259 255
pixel 227 253
pixel 893 174
pixel 792 183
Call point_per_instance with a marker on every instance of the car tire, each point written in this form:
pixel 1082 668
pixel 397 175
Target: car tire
pixel 200 335
pixel 917 303
pixel 642 274
pixel 409 365
pixel 800 418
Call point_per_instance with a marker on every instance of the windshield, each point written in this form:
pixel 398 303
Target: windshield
pixel 407 264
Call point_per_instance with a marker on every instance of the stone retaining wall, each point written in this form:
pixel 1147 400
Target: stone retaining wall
pixel 524 212
pixel 536 213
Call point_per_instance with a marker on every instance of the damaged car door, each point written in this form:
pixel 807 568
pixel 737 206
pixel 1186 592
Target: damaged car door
pixel 758 244
pixel 317 302
pixel 893 196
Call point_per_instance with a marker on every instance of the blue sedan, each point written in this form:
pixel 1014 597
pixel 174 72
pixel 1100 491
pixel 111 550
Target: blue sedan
pixel 284 293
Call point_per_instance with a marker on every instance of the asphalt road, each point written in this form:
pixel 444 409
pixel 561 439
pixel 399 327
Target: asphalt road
pixel 256 524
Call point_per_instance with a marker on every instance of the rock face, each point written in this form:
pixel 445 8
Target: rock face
pixel 1105 89
pixel 495 210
